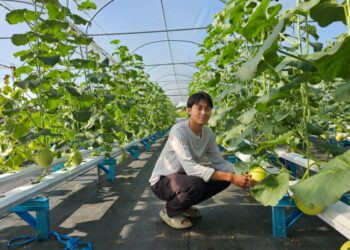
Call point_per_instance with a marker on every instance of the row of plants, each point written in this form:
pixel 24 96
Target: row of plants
pixel 65 97
pixel 275 84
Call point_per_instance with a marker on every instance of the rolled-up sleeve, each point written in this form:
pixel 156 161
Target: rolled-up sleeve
pixel 214 155
pixel 180 146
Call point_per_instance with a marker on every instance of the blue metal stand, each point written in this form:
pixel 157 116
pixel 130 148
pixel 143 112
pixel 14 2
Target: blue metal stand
pixel 146 142
pixel 221 148
pixel 134 151
pixel 153 138
pixel 280 223
pixel 342 144
pixel 111 163
pixel 41 222
pixel 58 167
pixel 232 158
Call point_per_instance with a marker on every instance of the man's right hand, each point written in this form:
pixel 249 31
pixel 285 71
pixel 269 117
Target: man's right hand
pixel 243 181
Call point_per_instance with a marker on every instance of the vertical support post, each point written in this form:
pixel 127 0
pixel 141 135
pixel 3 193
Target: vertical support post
pixel 112 163
pixel 153 138
pixel 41 222
pixel 279 222
pixel 134 151
pixel 111 168
pixel 58 167
pixel 291 166
pixel 147 144
pixel 232 158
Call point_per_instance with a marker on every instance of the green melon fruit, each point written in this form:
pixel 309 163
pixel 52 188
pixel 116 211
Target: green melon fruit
pixel 44 157
pixel 314 210
pixel 76 158
pixel 345 246
pixel 257 173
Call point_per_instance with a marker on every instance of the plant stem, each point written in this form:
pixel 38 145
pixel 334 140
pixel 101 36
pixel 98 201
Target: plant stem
pixel 347 15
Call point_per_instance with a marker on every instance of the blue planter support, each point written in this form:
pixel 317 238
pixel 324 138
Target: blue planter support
pixel 41 223
pixel 134 151
pixel 232 158
pixel 342 144
pixel 146 142
pixel 58 167
pixel 153 138
pixel 221 148
pixel 280 223
pixel 111 163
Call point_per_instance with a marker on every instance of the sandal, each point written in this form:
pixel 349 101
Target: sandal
pixel 177 222
pixel 192 212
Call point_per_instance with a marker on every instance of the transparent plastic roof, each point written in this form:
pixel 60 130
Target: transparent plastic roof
pixel 166 33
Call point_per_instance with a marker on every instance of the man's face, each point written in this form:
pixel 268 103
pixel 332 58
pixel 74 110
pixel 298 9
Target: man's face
pixel 200 112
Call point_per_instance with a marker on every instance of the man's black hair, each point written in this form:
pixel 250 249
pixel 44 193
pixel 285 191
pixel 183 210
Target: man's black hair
pixel 195 98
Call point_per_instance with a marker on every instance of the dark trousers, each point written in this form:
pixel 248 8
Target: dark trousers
pixel 181 191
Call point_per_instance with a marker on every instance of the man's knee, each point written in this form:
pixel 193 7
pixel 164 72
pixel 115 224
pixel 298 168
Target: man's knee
pixel 195 186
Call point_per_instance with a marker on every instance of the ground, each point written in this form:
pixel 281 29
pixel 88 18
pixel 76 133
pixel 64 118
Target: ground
pixel 124 215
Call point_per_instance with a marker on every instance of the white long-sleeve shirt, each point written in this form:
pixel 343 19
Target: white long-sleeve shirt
pixel 184 149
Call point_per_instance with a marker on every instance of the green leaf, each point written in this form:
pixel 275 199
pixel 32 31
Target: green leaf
pixel 311 30
pixel 271 190
pixel 316 46
pixel 87 101
pixel 327 147
pixel 247 117
pixel 109 97
pixel 53 25
pixel 105 63
pixel 86 5
pixel 23 70
pixel 342 93
pixel 82 115
pixel 237 134
pixel 32 136
pixel 49 60
pixel 248 69
pixel 78 19
pixel 21 15
pixel 280 140
pixel 81 63
pixel 73 91
pixel 235 88
pixel 53 10
pixel 16 129
pixel 29 83
pixel 218 115
pixel 320 189
pixel 116 41
pixel 22 39
pixel 280 115
pixel 327 12
pixel 333 62
pixel 258 20
pixel 314 129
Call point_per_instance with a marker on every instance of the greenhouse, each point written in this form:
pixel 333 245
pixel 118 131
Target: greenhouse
pixel 159 124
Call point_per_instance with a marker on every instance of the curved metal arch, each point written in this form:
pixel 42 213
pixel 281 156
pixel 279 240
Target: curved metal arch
pixel 105 5
pixel 95 14
pixel 172 75
pixel 184 64
pixel 161 41
pixel 19 1
pixel 174 83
